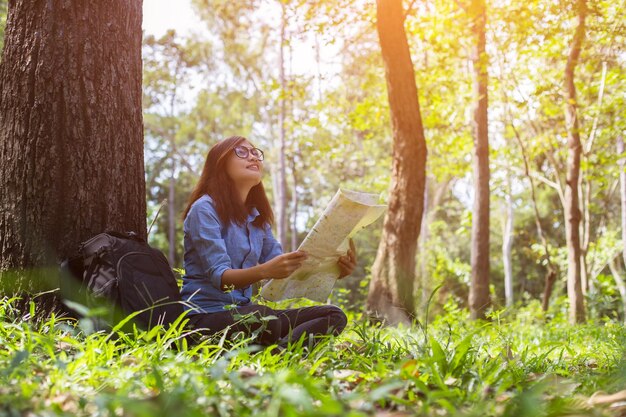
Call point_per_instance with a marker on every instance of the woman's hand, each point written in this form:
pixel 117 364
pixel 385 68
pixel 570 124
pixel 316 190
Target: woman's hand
pixel 283 265
pixel 347 263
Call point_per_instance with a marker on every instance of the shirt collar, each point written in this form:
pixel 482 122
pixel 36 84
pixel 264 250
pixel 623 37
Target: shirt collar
pixel 254 213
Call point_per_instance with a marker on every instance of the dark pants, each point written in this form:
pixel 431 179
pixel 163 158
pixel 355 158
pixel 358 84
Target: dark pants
pixel 288 326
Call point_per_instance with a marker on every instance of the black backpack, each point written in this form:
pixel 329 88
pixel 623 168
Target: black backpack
pixel 119 274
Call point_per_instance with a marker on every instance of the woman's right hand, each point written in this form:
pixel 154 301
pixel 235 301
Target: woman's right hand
pixel 283 265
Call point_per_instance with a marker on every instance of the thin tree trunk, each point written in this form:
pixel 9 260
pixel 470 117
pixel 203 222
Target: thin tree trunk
pixel 621 286
pixel 71 138
pixel 281 213
pixel 3 13
pixel 294 172
pixel 551 272
pixel 587 281
pixel 507 244
pixel 171 200
pixel 585 230
pixel 422 260
pixel 433 195
pixel 171 212
pixel 479 290
pixel 393 273
pixel 294 205
pixel 622 188
pixel 572 198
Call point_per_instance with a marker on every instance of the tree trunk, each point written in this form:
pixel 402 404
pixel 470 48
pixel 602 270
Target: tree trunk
pixel 434 193
pixel 572 198
pixel 584 192
pixel 507 244
pixel 393 273
pixel 294 206
pixel 621 286
pixel 3 14
pixel 548 287
pixel 281 204
pixel 479 290
pixel 587 279
pixel 171 210
pixel 71 137
pixel 551 272
pixel 422 260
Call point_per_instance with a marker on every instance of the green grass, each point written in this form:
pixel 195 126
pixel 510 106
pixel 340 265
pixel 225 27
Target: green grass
pixel 519 364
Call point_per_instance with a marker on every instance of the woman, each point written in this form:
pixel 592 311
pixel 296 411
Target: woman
pixel 229 246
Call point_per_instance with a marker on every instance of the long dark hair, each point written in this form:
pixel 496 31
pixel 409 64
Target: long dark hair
pixel 215 182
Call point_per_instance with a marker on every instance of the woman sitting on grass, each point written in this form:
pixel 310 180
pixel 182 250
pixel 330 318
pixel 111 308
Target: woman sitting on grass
pixel 229 246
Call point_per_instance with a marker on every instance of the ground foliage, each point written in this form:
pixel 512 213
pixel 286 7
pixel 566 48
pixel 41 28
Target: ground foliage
pixel 523 364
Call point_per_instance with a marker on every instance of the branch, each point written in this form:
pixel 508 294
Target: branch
pixel 594 127
pixel 612 257
pixel 409 9
pixel 461 5
pixel 183 160
pixel 555 167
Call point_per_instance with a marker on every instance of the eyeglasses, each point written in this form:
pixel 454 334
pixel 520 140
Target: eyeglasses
pixel 243 152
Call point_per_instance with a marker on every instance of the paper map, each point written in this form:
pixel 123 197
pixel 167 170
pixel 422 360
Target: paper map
pixel 346 214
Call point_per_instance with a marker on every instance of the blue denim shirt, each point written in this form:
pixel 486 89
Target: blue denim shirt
pixel 211 248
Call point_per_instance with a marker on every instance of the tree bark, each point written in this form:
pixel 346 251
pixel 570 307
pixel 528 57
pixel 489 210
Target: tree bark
pixel 572 198
pixel 393 273
pixel 479 290
pixel 71 136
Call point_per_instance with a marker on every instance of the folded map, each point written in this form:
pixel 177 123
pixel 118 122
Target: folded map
pixel 346 214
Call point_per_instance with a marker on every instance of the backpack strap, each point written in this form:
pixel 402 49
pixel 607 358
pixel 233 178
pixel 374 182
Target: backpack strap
pixel 125 235
pixel 92 264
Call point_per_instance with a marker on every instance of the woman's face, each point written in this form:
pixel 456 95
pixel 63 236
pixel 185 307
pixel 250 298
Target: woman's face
pixel 243 167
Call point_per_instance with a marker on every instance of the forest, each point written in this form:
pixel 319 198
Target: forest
pixel 495 283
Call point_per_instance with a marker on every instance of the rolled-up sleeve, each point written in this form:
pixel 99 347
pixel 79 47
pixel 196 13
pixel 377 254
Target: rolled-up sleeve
pixel 271 247
pixel 205 234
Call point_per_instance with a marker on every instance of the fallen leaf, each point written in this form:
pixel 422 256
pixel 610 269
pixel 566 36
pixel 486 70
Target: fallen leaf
pixel 247 372
pixel 392 414
pixel 450 381
pixel 409 369
pixel 347 374
pixel 601 398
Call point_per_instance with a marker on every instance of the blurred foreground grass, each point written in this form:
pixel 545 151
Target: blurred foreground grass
pixel 518 364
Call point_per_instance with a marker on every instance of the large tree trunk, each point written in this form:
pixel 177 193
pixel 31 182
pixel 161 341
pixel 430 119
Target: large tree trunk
pixel 479 290
pixel 572 198
pixel 393 273
pixel 71 138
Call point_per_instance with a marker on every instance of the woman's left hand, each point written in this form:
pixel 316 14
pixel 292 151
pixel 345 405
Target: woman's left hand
pixel 347 263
